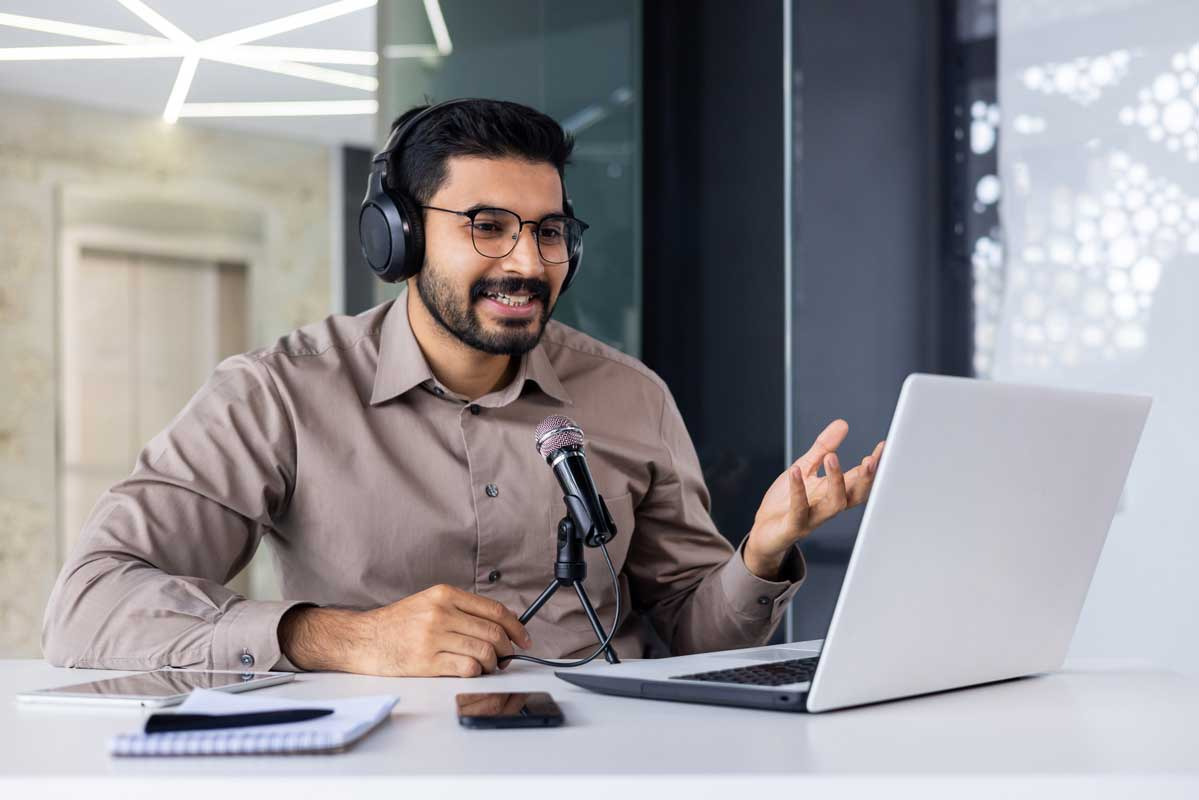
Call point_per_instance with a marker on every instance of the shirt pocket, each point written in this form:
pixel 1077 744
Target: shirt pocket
pixel 598 582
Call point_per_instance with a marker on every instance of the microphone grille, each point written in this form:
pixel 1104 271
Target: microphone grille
pixel 556 432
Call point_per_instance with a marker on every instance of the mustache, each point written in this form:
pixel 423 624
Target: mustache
pixel 532 286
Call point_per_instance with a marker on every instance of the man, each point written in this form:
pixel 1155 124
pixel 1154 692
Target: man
pixel 390 460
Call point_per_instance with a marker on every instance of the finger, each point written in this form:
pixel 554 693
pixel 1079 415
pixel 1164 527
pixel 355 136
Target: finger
pixel 494 611
pixel 799 498
pixel 834 499
pixel 858 482
pixel 479 628
pixel 469 646
pixel 453 665
pixel 876 456
pixel 860 479
pixel 828 441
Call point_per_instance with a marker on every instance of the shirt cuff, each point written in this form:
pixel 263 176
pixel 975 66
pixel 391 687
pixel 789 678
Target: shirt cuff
pixel 247 637
pixel 756 598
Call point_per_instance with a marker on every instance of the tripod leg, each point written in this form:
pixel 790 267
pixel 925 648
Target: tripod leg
pixel 609 653
pixel 540 601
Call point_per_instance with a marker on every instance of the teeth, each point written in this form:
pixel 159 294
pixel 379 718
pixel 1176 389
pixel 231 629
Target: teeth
pixel 510 301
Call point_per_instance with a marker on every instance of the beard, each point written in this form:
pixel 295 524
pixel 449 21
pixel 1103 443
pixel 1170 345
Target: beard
pixel 460 316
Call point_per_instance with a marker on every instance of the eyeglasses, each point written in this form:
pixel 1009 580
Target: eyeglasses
pixel 495 231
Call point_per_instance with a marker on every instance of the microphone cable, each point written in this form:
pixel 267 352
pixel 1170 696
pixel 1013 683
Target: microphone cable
pixel 616 621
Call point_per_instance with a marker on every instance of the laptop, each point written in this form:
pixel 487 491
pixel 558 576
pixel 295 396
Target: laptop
pixel 971 565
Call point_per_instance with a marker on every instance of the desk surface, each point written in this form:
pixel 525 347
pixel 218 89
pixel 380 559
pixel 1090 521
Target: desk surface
pixel 1092 729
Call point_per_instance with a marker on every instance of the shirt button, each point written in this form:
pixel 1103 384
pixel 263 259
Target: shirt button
pixel 763 600
pixel 474 409
pixel 437 390
pixel 247 660
pixel 494 576
pixel 493 490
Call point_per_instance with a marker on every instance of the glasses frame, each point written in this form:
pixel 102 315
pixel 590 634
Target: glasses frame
pixel 474 212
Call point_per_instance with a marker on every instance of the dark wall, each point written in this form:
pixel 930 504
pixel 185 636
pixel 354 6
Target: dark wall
pixel 868 222
pixel 870 301
pixel 713 246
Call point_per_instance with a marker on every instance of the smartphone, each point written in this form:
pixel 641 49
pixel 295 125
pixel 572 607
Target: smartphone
pixel 508 710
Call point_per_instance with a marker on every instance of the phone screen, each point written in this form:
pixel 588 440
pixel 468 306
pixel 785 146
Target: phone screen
pixel 508 710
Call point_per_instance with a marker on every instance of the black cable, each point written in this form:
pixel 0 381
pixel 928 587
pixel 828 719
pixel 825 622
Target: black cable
pixel 604 644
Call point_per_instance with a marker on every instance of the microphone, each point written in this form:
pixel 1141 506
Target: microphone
pixel 560 442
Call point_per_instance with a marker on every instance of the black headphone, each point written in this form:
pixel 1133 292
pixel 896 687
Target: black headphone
pixel 390 225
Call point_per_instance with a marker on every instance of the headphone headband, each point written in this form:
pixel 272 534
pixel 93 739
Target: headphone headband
pixel 398 134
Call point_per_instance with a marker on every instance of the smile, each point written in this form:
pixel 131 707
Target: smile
pixel 509 300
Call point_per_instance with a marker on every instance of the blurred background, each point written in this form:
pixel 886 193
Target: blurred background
pixel 793 205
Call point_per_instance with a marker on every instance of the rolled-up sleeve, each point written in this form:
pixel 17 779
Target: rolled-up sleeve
pixel 694 587
pixel 144 585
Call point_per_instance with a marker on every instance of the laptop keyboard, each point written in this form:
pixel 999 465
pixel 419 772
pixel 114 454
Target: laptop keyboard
pixel 777 673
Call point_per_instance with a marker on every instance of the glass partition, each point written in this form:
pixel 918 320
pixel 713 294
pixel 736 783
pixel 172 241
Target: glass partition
pixel 579 62
pixel 1098 154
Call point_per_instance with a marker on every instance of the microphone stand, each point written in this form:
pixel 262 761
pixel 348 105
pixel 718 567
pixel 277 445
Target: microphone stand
pixel 570 570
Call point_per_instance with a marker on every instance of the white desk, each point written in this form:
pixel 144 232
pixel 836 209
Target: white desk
pixel 1099 729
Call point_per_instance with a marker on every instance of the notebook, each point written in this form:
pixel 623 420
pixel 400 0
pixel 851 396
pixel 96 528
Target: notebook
pixel 352 718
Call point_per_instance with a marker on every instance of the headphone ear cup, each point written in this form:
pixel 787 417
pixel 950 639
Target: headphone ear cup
pixel 380 231
pixel 576 261
pixel 409 258
pixel 391 232
pixel 573 270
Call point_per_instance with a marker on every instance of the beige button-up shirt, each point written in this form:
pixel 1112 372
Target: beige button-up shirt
pixel 372 482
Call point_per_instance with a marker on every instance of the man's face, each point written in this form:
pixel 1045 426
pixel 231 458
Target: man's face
pixel 455 282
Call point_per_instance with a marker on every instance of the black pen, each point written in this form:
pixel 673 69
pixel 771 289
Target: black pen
pixel 165 723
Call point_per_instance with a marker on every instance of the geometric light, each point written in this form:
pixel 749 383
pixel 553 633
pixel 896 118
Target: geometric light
pixel 289 23
pixel 290 108
pixel 441 35
pixel 233 47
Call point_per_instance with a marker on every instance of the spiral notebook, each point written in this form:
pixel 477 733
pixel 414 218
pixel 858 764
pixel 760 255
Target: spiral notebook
pixel 352 718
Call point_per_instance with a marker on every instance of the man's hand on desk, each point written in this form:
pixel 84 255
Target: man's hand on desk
pixel 440 631
pixel 800 500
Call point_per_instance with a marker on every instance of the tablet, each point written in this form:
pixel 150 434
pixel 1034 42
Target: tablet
pixel 164 687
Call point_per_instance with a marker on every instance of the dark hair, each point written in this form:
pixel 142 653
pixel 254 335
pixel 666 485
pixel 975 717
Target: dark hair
pixel 488 128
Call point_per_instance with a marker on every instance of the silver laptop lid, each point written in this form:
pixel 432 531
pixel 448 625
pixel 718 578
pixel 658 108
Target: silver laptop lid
pixel 980 538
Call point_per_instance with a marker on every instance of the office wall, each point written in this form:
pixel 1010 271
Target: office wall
pixel 62 166
pixel 866 306
pixel 871 299
pixel 1099 161
pixel 713 251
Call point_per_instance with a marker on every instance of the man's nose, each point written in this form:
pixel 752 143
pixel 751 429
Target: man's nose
pixel 525 258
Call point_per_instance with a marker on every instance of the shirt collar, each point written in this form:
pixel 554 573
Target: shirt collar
pixel 536 367
pixel 402 365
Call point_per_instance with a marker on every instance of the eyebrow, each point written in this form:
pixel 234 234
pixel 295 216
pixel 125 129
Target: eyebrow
pixel 478 206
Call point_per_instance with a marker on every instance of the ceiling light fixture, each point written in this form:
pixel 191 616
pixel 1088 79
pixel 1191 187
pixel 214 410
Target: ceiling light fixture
pixel 71 29
pixel 337 77
pixel 88 52
pixel 233 48
pixel 157 21
pixel 315 108
pixel 441 34
pixel 410 51
pixel 291 22
pixel 183 84
pixel 312 55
